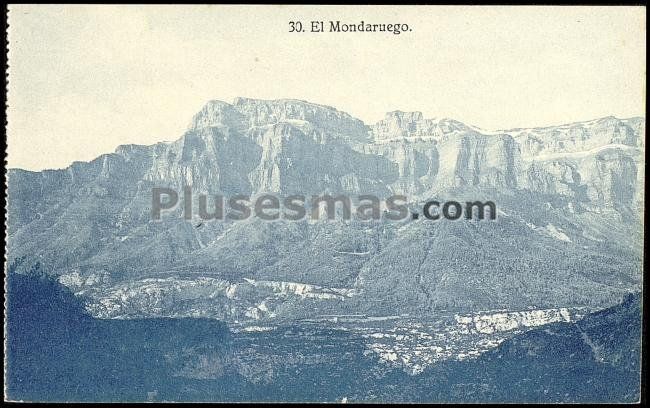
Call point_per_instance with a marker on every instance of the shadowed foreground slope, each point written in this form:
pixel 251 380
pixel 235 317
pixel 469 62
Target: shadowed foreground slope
pixel 57 352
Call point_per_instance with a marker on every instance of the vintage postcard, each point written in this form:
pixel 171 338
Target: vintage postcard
pixel 249 203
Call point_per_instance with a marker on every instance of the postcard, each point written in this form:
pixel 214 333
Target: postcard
pixel 257 203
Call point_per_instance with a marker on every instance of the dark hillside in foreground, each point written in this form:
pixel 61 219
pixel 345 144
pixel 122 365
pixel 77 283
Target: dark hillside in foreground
pixel 596 359
pixel 56 352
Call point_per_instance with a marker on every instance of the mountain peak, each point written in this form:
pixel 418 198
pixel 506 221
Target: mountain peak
pixel 246 113
pixel 243 101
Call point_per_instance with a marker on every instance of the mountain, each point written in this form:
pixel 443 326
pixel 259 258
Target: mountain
pixel 568 232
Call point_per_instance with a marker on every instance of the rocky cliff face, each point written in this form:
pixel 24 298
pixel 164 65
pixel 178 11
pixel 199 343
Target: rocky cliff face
pixel 570 199
pixel 247 113
pixel 597 163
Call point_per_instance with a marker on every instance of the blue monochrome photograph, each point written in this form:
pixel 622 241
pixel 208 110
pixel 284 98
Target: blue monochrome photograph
pixel 339 204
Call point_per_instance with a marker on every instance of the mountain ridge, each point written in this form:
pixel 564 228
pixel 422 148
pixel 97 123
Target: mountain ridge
pixel 240 100
pixel 569 215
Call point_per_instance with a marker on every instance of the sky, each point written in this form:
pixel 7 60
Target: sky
pixel 85 79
